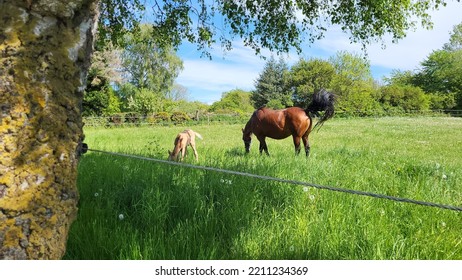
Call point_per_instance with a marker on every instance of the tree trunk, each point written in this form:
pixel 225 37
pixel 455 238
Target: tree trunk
pixel 45 48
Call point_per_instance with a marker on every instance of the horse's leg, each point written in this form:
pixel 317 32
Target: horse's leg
pixel 263 146
pixel 296 144
pixel 306 143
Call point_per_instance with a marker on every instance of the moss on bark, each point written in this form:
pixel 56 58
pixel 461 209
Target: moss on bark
pixel 45 49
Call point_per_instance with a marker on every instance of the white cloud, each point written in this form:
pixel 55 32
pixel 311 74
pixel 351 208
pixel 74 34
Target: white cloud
pixel 238 68
pixel 212 75
pixel 408 52
pixel 208 79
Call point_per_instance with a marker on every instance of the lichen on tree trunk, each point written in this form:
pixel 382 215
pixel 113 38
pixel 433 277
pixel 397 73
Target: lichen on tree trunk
pixel 45 48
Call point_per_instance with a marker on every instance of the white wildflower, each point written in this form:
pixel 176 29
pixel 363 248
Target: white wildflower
pixel 226 181
pixel 444 176
pixel 305 189
pixel 96 194
pixel 312 197
pixel 121 217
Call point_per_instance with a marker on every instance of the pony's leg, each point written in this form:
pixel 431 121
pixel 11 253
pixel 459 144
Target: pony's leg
pixel 297 144
pixel 183 153
pixel 193 146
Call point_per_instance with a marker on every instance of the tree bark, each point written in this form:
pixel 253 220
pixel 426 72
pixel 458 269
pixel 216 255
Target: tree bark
pixel 45 48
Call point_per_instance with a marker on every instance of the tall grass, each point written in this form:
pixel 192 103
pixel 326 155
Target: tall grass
pixel 135 209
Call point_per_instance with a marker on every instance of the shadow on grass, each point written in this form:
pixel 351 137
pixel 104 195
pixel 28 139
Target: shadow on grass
pixel 132 209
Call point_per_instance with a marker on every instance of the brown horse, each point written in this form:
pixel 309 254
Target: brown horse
pixel 295 121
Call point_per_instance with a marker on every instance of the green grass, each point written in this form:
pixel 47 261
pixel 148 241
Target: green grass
pixel 175 212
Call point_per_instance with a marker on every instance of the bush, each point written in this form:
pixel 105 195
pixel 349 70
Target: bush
pixel 440 101
pixel 179 117
pixel 116 119
pixel 405 97
pixel 94 121
pixel 162 117
pixel 133 117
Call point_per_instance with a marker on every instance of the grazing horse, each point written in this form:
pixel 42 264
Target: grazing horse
pixel 295 121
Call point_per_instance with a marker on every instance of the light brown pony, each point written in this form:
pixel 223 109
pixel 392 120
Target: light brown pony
pixel 182 140
pixel 295 121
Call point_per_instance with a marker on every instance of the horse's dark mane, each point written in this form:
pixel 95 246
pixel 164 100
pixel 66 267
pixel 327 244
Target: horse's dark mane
pixel 261 107
pixel 322 101
pixel 247 128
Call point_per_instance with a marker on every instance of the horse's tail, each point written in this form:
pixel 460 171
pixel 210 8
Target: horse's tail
pixel 322 101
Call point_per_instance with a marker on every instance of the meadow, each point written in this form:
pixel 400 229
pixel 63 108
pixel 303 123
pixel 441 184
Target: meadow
pixel 137 209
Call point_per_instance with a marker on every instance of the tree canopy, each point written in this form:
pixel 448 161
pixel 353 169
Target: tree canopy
pixel 272 24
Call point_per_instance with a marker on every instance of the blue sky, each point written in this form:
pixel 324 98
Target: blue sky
pixel 206 79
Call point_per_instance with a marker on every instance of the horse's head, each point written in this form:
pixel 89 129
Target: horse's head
pixel 246 137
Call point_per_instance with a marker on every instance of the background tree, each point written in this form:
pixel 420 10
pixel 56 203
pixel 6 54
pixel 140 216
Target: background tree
pixel 438 72
pixel 234 101
pixel 100 101
pixel 146 102
pixel 148 65
pixel 441 74
pixel 307 77
pixel 104 73
pixel 178 93
pixel 46 47
pixel 271 87
pixel 455 39
pixel 398 77
pixel 353 83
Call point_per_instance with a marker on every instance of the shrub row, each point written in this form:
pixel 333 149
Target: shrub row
pixel 162 118
pixel 181 118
